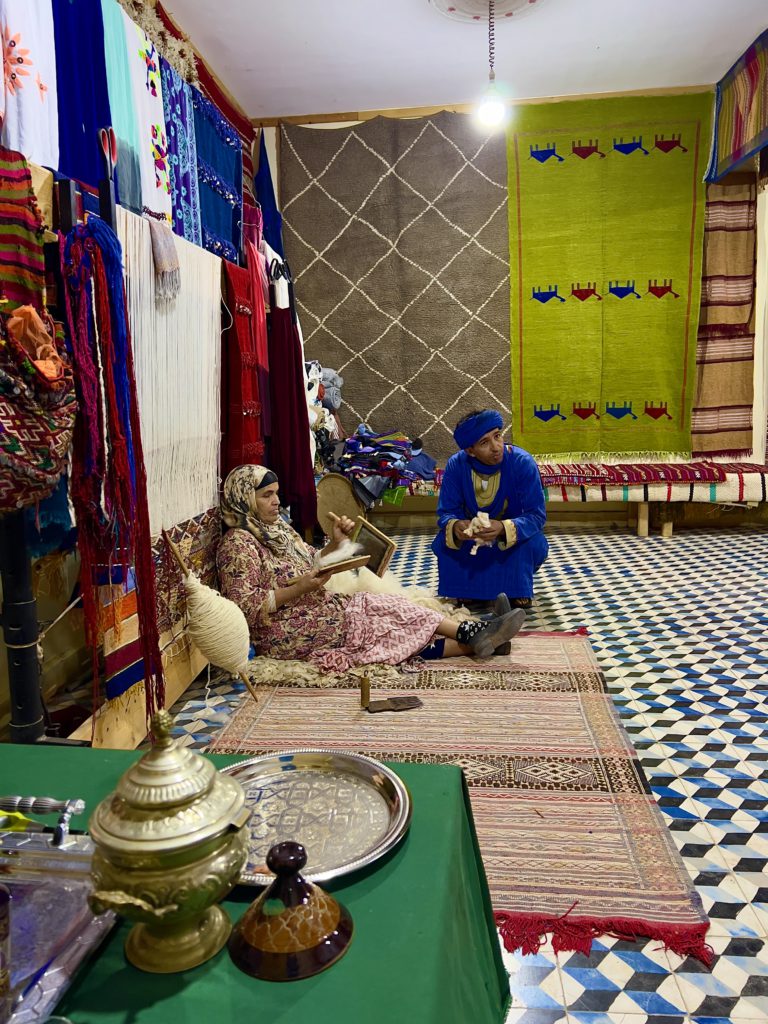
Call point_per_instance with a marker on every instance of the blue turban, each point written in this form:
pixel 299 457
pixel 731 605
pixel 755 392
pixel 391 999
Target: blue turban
pixel 471 430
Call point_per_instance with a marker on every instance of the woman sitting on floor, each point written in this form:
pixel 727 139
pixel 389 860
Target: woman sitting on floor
pixel 269 572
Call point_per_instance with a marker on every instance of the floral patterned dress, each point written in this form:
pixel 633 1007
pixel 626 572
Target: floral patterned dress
pixel 333 631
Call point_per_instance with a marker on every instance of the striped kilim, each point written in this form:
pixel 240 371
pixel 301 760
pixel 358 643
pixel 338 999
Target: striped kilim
pixel 741 111
pixel 22 266
pixel 573 843
pixel 722 404
pixel 396 232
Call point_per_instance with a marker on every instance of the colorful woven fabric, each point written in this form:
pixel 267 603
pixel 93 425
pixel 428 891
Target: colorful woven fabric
pixel 83 93
pixel 22 265
pixel 217 95
pixel 722 407
pixel 28 93
pixel 182 154
pixel 605 227
pixel 572 840
pixel 626 473
pixel 37 416
pixel 147 89
pixel 108 484
pixel 743 482
pixel 220 178
pixel 741 110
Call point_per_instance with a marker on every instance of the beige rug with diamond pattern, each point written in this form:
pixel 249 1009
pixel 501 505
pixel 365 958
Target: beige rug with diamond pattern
pixel 396 233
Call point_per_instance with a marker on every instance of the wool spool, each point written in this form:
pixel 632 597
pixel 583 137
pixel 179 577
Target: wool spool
pixel 216 625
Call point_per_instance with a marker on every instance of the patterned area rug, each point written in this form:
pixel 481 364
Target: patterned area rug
pixel 606 211
pixel 396 232
pixel 573 843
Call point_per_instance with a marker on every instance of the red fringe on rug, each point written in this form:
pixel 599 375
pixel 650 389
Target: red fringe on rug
pixel 528 932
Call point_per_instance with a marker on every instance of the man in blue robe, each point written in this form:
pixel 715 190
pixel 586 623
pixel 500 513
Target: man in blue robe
pixel 503 481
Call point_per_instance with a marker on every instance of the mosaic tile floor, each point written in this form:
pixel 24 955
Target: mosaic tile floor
pixel 680 628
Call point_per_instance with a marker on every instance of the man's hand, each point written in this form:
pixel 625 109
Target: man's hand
pixel 459 528
pixel 343 527
pixel 492 532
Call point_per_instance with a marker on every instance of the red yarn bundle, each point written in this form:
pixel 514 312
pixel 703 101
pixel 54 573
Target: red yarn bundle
pixel 108 482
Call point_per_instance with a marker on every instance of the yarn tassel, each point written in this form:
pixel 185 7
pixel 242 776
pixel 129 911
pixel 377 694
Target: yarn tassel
pixel 109 481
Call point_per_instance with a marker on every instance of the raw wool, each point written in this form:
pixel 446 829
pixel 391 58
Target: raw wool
pixel 347 549
pixel 480 522
pixel 366 582
pixel 217 627
pixel 178 374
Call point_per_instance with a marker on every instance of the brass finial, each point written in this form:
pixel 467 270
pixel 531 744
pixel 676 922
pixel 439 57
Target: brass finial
pixel 162 723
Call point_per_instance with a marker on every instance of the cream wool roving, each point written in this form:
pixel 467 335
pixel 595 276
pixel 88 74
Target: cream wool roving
pixel 216 625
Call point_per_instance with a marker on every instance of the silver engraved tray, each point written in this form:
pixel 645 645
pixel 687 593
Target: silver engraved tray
pixel 52 927
pixel 345 809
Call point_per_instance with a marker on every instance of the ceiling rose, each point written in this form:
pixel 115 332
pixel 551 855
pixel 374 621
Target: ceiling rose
pixel 477 10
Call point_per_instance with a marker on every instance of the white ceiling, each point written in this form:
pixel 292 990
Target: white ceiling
pixel 283 57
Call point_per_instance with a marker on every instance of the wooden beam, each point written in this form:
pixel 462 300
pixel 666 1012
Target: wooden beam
pixel 458 108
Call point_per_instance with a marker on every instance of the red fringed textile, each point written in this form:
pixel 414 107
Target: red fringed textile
pixel 108 482
pixel 527 932
pixel 242 439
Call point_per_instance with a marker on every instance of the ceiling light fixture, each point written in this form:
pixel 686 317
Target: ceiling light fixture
pixel 491 110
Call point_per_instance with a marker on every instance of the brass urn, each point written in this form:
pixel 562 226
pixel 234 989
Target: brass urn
pixel 169 844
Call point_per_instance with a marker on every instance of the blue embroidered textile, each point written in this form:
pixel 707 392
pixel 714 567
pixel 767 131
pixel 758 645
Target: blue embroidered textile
pixel 220 178
pixel 182 154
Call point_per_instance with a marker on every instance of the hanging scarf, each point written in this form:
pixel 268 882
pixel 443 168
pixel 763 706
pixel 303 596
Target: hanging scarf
pixel 238 512
pixel 82 89
pixel 30 120
pixel 182 154
pixel 108 480
pixel 265 193
pixel 144 70
pixel 220 175
pixel 122 106
pixel 242 439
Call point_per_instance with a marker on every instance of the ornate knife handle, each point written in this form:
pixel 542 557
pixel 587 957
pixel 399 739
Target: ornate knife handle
pixel 41 805
pixel 46 805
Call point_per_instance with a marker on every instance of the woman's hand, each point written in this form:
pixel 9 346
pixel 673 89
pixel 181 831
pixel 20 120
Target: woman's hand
pixel 311 581
pixel 342 528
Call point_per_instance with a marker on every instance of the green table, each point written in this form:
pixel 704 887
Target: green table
pixel 424 951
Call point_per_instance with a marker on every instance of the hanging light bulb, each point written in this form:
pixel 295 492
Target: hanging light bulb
pixel 491 111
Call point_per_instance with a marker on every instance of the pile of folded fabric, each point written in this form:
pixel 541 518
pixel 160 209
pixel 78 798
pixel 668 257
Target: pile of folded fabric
pixel 378 461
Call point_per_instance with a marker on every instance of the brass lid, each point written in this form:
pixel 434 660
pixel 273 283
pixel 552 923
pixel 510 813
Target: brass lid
pixel 171 799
